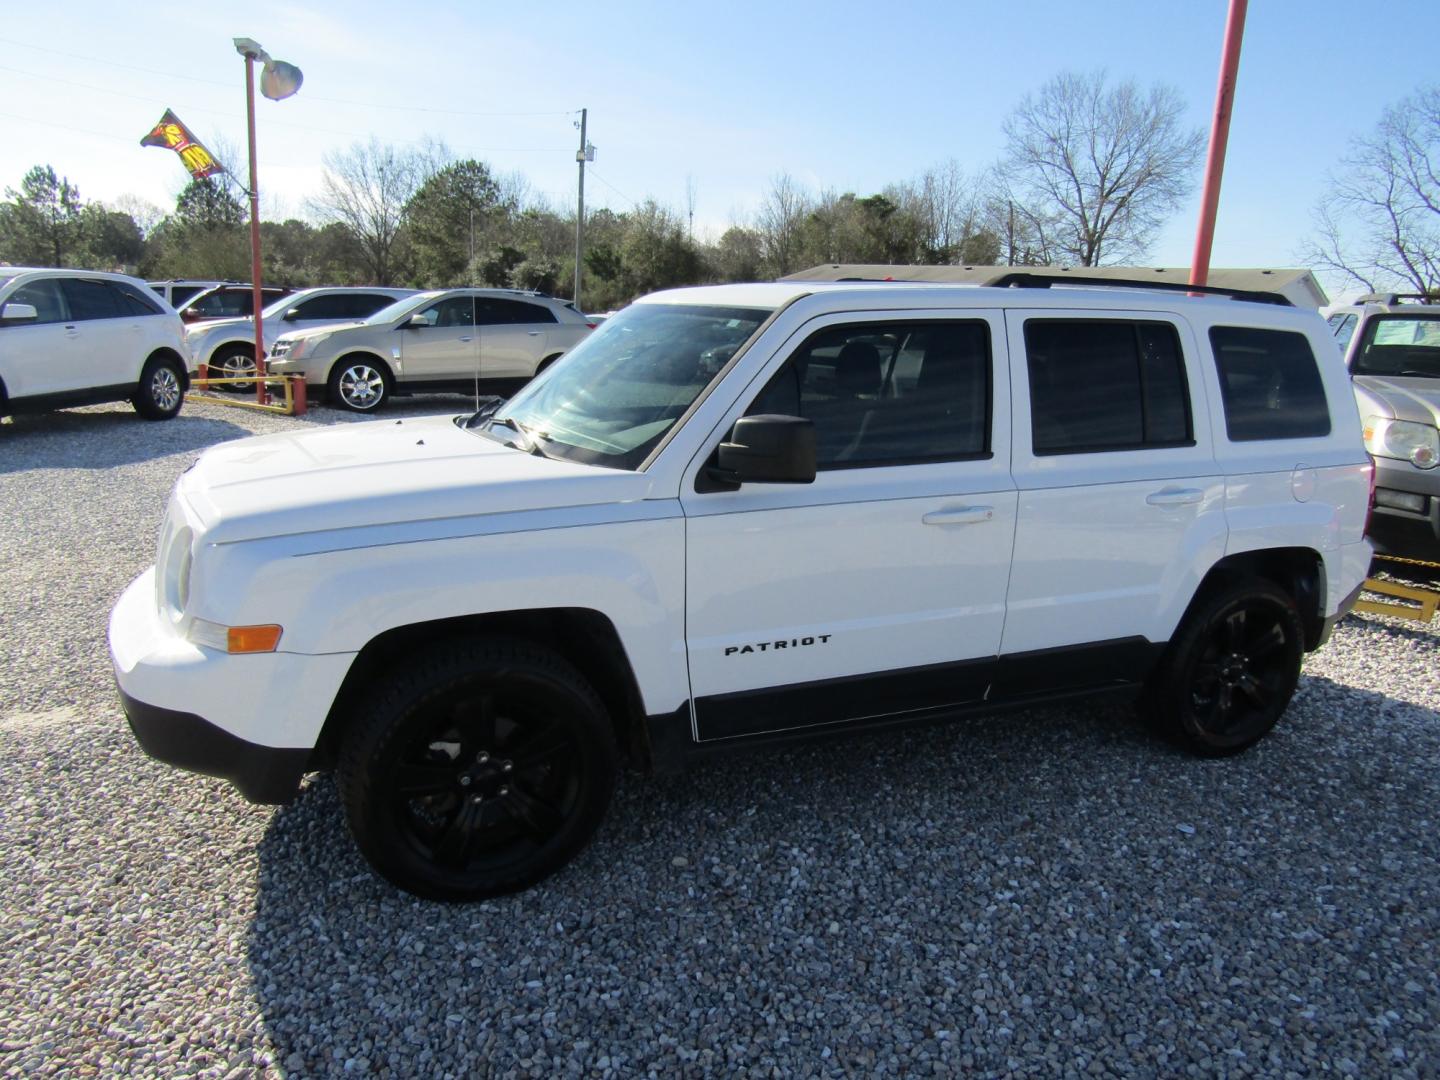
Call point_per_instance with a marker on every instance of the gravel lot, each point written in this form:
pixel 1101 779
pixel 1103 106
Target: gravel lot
pixel 1052 893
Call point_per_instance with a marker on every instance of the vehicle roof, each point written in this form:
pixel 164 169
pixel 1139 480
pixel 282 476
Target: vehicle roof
pixel 16 271
pixel 916 294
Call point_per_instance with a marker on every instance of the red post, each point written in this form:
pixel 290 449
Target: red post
pixel 1219 136
pixel 260 395
pixel 300 396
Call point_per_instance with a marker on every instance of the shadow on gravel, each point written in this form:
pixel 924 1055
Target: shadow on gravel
pixel 101 440
pixel 1046 891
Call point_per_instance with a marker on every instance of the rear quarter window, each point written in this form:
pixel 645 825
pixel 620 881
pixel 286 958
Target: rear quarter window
pixel 1269 384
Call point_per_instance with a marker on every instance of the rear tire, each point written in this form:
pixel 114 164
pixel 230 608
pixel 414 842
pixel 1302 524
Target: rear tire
pixel 480 767
pixel 1231 670
pixel 160 392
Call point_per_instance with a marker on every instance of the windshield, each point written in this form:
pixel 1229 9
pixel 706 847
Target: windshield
pixel 1404 345
pixel 391 312
pixel 619 391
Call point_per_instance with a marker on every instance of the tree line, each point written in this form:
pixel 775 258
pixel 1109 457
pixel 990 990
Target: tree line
pixel 1091 170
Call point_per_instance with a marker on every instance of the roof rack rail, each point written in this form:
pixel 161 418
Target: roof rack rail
pixel 1025 280
pixel 1396 297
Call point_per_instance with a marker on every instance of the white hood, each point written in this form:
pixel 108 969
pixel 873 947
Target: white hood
pixel 382 472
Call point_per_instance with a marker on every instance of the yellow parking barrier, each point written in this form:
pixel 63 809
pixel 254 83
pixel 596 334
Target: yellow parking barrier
pixel 293 386
pixel 1423 602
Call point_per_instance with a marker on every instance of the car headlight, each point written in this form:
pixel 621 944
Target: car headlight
pixel 1404 440
pixel 301 347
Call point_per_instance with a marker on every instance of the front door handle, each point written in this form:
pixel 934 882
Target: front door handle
pixel 961 515
pixel 1176 497
pixel 534 333
pixel 465 339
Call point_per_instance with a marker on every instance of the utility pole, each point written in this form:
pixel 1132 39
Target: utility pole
pixel 1219 137
pixel 581 156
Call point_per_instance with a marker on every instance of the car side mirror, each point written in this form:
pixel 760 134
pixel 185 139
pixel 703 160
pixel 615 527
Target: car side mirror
pixel 418 321
pixel 291 315
pixel 18 312
pixel 767 449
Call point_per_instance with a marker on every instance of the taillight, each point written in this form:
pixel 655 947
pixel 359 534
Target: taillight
pixel 591 325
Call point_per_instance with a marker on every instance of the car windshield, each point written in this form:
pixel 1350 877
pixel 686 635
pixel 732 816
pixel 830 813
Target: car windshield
pixel 391 312
pixel 616 394
pixel 1403 345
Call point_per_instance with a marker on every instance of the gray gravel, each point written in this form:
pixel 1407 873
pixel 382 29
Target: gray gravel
pixel 1054 893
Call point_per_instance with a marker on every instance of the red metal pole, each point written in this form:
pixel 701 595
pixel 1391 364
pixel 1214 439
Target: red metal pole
pixel 260 395
pixel 1219 136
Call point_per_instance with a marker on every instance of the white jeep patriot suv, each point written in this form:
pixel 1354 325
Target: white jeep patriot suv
pixel 749 513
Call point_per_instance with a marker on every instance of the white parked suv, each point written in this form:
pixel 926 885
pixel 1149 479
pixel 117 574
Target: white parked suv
pixel 1391 344
pixel 81 337
pixel 742 514
pixel 454 340
pixel 227 346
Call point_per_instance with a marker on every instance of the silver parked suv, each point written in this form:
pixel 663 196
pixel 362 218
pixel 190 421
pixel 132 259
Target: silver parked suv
pixel 492 340
pixel 1392 347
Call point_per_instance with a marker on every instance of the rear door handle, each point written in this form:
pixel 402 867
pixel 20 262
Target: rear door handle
pixel 534 333
pixel 1176 497
pixel 962 515
pixel 465 339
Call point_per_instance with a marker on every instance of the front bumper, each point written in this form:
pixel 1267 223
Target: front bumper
pixel 1406 533
pixel 263 774
pixel 253 720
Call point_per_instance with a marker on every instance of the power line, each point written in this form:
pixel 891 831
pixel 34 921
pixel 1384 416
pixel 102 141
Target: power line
pixel 612 187
pixel 230 86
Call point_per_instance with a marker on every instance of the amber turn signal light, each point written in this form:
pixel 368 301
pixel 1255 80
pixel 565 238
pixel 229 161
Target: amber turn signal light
pixel 252 639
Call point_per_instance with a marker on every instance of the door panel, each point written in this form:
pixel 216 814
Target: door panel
pixel 879 589
pixel 447 349
pixel 46 355
pixel 1109 543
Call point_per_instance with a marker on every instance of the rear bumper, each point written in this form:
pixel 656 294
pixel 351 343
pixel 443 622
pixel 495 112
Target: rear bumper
pixel 263 774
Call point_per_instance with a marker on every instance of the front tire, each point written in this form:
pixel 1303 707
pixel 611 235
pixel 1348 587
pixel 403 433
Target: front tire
pixel 161 389
pixel 231 362
pixel 1231 671
pixel 358 384
pixel 479 768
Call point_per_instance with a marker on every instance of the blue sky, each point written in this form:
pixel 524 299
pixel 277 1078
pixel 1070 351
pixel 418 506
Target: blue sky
pixel 841 94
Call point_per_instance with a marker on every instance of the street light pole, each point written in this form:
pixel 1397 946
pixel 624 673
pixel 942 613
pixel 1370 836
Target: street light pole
pixel 260 395
pixel 278 80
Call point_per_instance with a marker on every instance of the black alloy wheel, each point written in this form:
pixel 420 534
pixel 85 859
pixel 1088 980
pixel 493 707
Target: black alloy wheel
pixel 1232 670
pixel 478 771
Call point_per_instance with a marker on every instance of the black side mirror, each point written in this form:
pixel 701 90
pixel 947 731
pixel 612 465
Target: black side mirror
pixel 767 449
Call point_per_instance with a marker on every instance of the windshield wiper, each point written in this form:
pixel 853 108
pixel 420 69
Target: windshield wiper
pixel 484 413
pixel 529 443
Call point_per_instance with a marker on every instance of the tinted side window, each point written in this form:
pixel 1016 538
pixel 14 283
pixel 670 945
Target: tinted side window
pixel 136 300
pixel 44 296
pixel 322 307
pixel 1099 385
pixel 363 305
pixel 1269 384
pixel 1343 327
pixel 889 393
pixel 530 313
pixel 92 299
pixel 221 303
pixel 180 293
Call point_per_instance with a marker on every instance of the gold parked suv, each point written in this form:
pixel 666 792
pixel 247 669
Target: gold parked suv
pixel 457 340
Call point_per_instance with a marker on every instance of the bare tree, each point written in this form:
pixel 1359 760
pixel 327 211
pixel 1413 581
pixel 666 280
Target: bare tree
pixel 366 189
pixel 779 221
pixel 1099 168
pixel 1379 222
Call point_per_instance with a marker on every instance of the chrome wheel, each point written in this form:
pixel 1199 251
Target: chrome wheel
pixel 165 389
pixel 361 387
pixel 235 363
